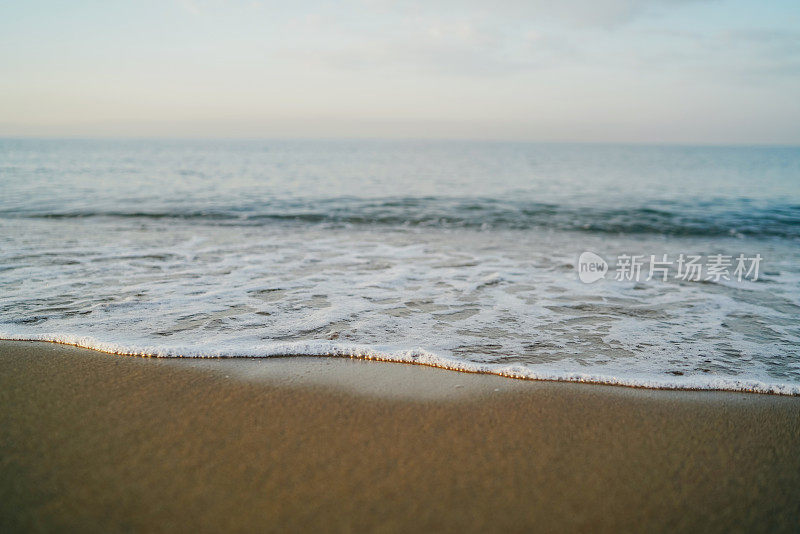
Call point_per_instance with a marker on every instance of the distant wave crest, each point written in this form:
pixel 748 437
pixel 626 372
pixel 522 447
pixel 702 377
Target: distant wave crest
pixel 711 219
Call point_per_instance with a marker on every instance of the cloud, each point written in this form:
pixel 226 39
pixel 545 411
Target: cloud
pixel 581 13
pixel 751 56
pixel 437 46
pixel 462 37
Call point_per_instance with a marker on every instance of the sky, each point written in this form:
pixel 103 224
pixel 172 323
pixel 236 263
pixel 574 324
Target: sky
pixel 644 71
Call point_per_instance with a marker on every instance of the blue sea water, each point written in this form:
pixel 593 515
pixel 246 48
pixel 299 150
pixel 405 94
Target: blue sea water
pixel 456 254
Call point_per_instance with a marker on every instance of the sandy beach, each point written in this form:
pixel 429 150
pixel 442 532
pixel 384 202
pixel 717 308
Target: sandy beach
pixel 102 443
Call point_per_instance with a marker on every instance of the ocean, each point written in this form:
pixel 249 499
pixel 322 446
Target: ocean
pixel 650 266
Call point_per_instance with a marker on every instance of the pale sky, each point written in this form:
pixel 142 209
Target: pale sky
pixel 679 71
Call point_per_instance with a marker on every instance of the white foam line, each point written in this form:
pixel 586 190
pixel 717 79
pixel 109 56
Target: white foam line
pixel 417 357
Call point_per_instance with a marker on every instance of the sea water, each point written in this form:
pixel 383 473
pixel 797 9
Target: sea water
pixel 463 255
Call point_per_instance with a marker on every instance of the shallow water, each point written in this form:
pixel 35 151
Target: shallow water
pixel 461 255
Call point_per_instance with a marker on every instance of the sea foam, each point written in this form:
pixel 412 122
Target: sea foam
pixel 460 256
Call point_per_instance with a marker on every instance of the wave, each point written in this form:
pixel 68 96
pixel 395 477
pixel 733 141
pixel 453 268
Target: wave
pixel 709 219
pixel 419 357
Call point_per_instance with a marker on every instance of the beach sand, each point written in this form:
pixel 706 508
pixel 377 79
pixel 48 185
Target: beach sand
pixel 102 443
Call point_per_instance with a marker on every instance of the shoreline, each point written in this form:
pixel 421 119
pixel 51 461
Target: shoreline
pixel 748 387
pixel 101 443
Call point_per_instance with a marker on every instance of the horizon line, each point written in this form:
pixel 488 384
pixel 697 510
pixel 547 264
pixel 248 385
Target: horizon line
pixel 386 139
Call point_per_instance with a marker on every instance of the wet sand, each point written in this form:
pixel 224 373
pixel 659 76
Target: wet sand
pixel 102 443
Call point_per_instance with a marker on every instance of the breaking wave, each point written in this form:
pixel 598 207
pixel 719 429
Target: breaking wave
pixel 709 218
